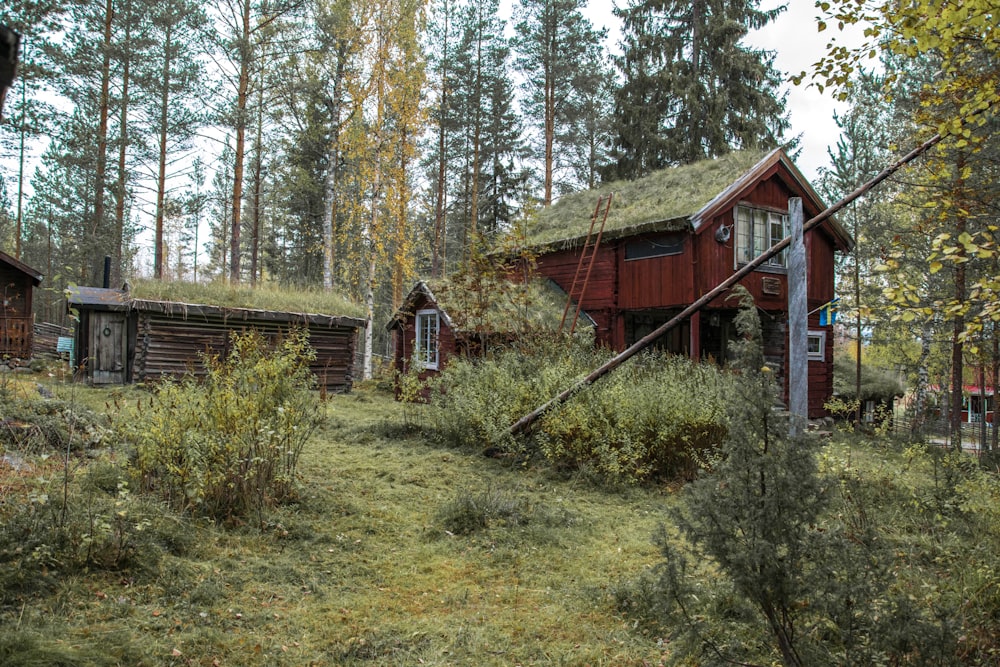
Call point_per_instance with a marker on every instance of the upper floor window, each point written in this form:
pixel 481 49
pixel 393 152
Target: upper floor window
pixel 428 325
pixel 757 230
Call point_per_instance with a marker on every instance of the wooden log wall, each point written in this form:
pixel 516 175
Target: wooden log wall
pixel 166 346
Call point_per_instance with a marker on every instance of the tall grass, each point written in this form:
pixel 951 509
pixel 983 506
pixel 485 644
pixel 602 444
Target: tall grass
pixel 260 297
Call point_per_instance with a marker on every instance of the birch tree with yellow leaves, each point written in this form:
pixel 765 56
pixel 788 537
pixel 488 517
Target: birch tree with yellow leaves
pixel 955 189
pixel 379 142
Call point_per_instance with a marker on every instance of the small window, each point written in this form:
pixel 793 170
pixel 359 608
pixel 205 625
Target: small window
pixel 816 345
pixel 428 326
pixel 659 245
pixel 757 230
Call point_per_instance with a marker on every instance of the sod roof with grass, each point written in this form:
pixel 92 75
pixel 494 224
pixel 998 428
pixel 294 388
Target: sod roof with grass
pixel 493 306
pixel 264 298
pixel 876 383
pixel 665 200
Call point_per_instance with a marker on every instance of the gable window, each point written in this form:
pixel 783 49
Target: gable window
pixel 757 230
pixel 428 326
pixel 816 346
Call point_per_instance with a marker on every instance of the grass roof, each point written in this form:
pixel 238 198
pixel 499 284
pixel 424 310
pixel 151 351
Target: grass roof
pixel 667 196
pixel 499 306
pixel 876 383
pixel 267 297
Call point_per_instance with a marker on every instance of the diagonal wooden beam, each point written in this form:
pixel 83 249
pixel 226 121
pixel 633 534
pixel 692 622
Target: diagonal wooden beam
pixel 527 420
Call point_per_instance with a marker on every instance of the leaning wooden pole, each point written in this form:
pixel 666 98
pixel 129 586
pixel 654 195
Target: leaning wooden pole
pixel 527 420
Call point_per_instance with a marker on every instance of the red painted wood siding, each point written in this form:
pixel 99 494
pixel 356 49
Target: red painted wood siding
pixel 617 285
pixel 714 262
pixel 600 300
pixel 656 282
pixel 820 374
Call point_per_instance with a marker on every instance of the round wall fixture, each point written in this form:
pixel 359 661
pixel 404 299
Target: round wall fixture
pixel 723 233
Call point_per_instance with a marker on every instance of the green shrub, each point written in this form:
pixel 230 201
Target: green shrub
pixel 49 533
pixel 654 417
pixel 474 401
pixel 228 446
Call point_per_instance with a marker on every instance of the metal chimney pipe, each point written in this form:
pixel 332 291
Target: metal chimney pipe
pixel 107 271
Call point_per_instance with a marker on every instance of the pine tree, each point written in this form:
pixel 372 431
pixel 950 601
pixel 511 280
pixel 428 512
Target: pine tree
pixel 442 35
pixel 485 130
pixel 171 75
pixel 802 577
pixel 246 28
pixel 28 115
pixel 554 42
pixel 691 90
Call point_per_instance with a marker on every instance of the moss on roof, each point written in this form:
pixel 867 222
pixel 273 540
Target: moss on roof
pixel 268 297
pixel 498 305
pixel 669 196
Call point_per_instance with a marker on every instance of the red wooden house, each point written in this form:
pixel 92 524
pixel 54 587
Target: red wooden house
pixel 676 234
pixel 17 317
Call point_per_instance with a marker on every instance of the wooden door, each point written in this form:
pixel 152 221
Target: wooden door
pixel 107 348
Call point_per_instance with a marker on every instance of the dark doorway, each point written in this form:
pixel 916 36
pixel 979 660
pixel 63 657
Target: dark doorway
pixel 639 323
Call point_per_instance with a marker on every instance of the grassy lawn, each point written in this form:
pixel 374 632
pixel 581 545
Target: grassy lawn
pixel 363 570
pixel 401 550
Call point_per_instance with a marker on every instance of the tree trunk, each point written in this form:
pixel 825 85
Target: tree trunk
pixel 439 247
pixel 119 252
pixel 20 171
pixel 550 107
pixel 958 328
pixel 923 379
pixel 161 174
pixel 332 171
pixel 370 315
pixel 257 184
pixel 241 123
pixel 697 150
pixel 995 383
pixel 476 137
pixel 102 128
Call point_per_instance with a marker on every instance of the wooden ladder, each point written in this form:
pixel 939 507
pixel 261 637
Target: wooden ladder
pixel 587 256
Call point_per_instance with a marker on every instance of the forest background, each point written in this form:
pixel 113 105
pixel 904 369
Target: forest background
pixel 353 147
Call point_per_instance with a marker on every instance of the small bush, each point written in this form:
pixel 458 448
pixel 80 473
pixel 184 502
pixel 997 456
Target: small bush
pixel 473 402
pixel 653 418
pixel 228 447
pixel 47 535
pixel 470 512
pixel 37 425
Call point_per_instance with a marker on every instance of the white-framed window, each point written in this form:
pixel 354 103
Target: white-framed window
pixel 428 326
pixel 816 345
pixel 758 229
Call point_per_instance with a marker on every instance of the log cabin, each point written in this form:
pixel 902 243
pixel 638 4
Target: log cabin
pixel 674 235
pixel 121 339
